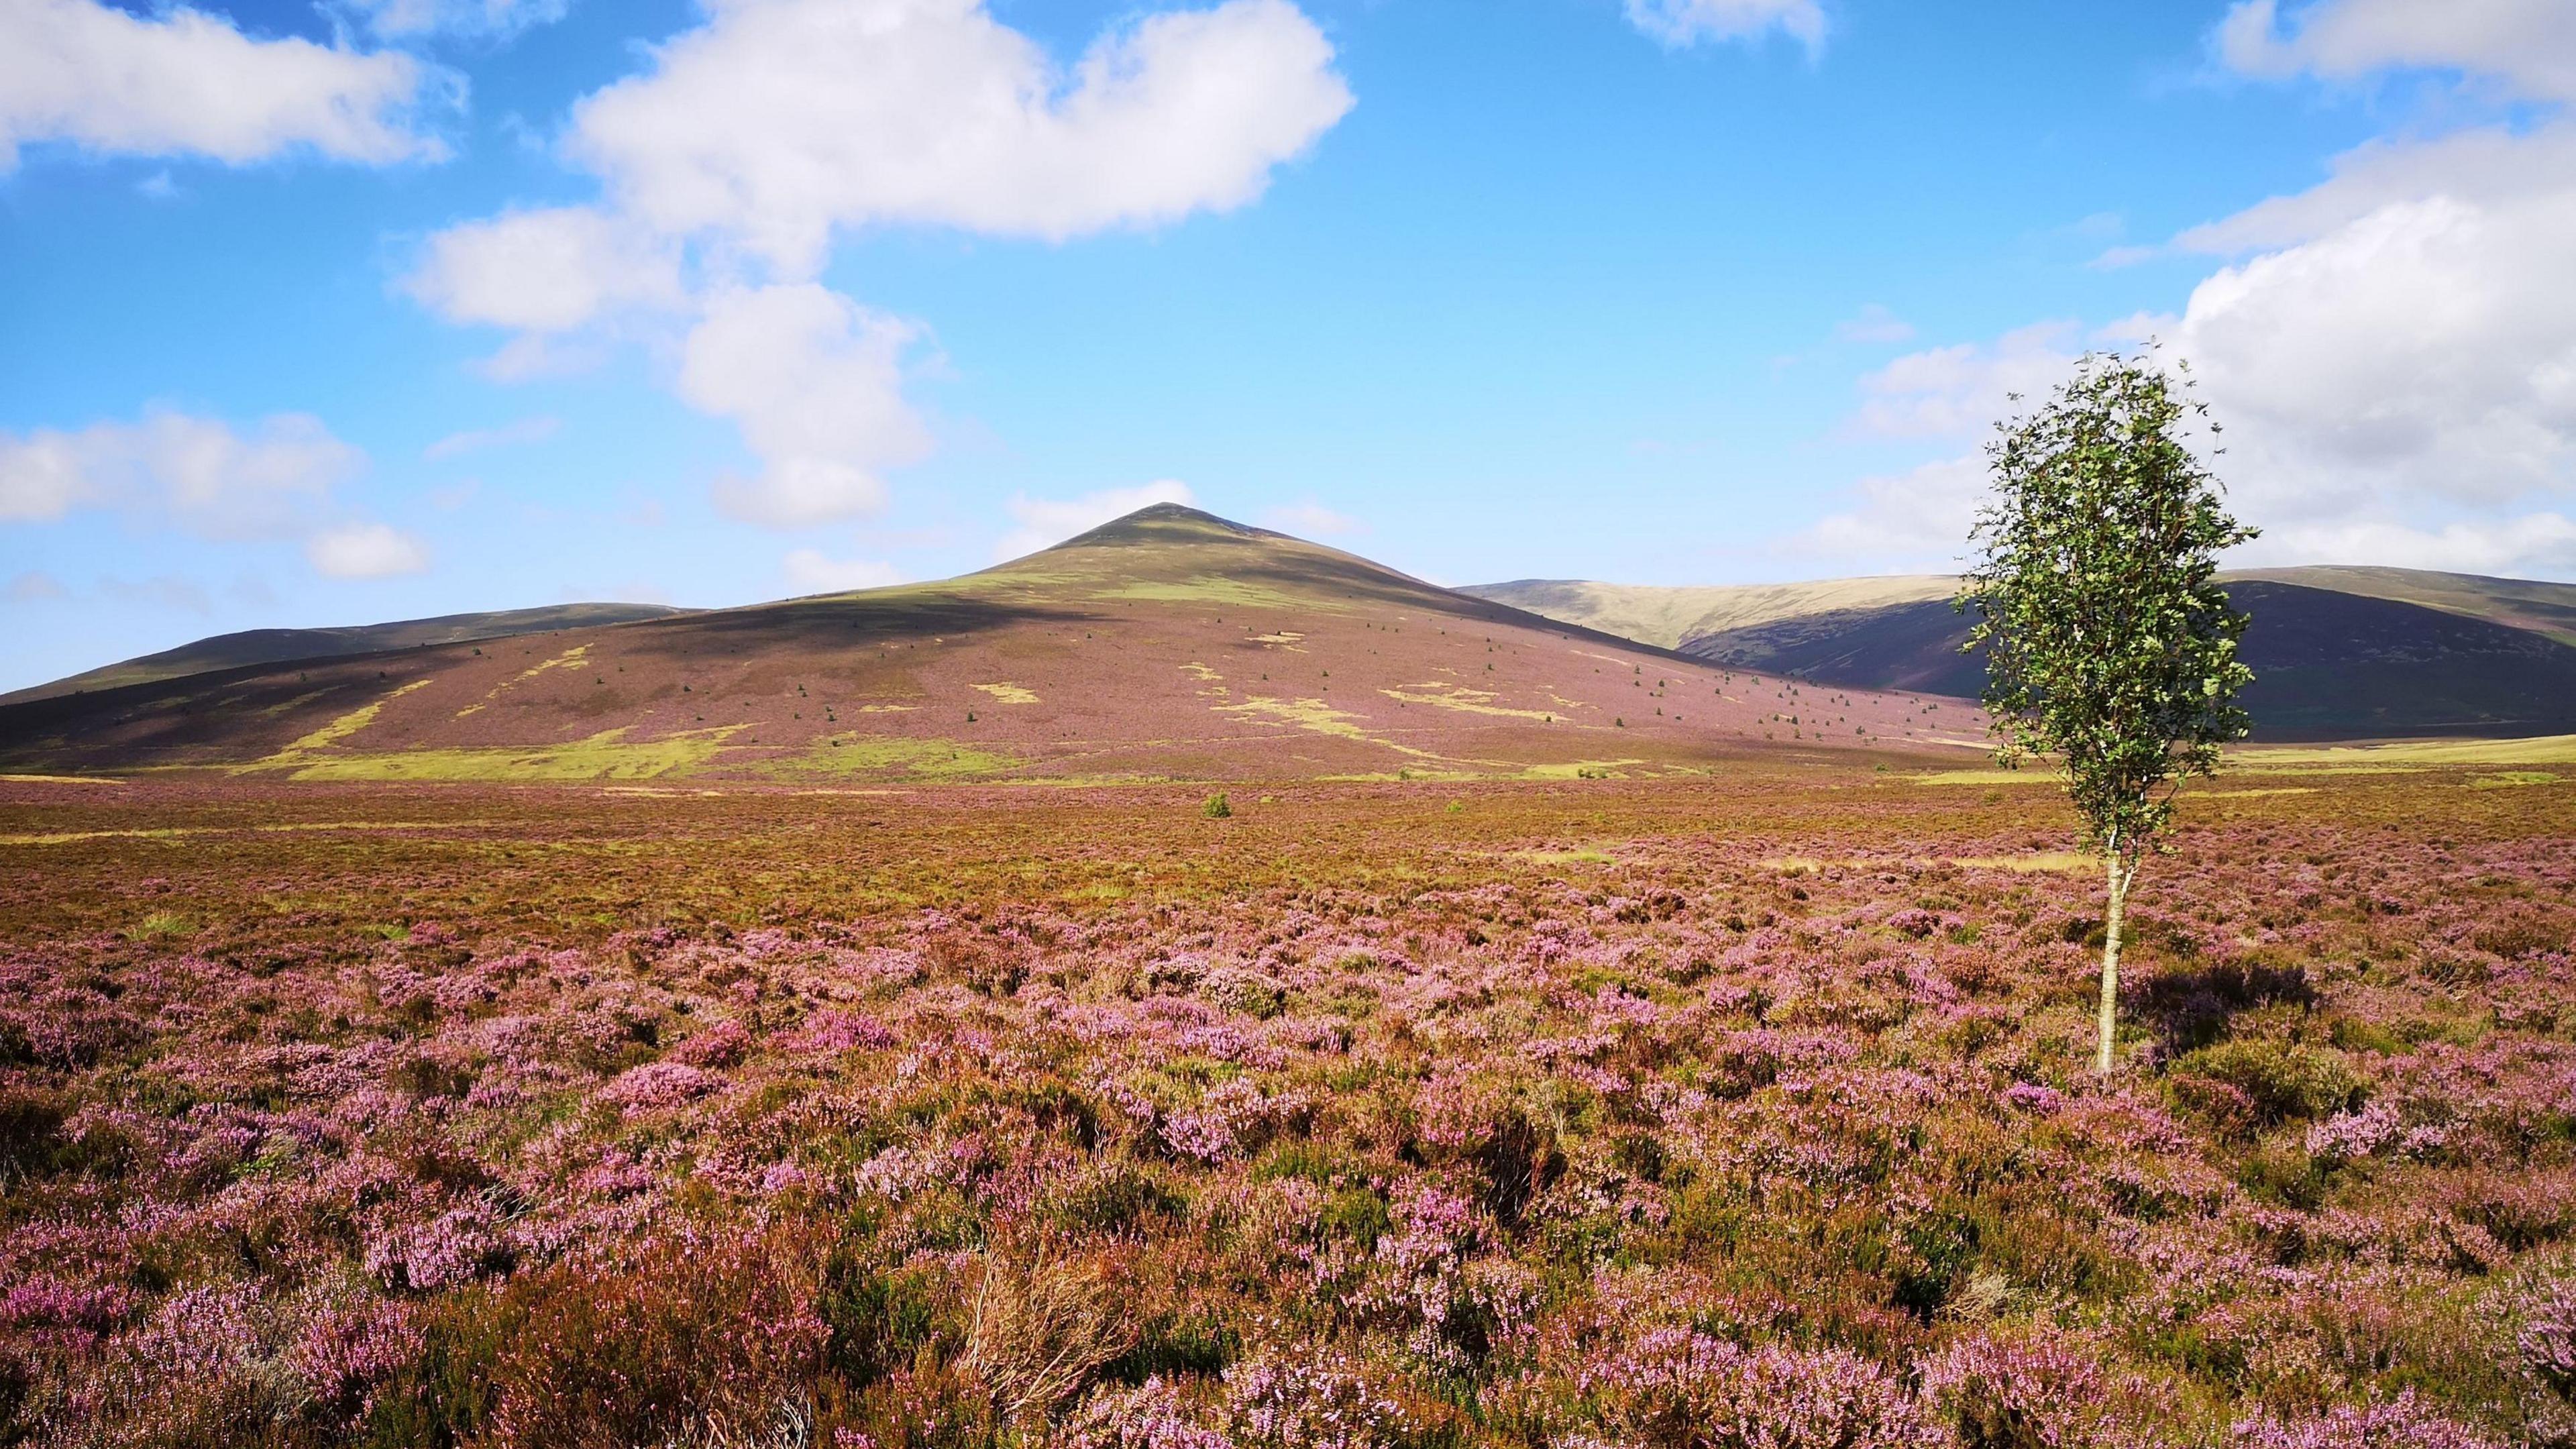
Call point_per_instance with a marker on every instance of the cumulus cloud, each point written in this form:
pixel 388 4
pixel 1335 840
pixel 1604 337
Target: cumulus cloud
pixel 730 162
pixel 815 382
pixel 2528 44
pixel 2543 542
pixel 1961 390
pixel 1677 23
pixel 187 83
pixel 191 472
pixel 544 270
pixel 2426 350
pixel 1917 519
pixel 365 551
pixel 1045 522
pixel 780 120
pixel 2392 351
pixel 475 440
pixel 810 571
pixel 204 476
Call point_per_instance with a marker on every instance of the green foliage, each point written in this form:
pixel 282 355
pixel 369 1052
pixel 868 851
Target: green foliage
pixel 1217 807
pixel 2110 646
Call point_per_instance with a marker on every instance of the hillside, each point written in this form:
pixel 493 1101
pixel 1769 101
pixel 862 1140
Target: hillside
pixel 2338 653
pixel 1670 617
pixel 1167 644
pixel 272 646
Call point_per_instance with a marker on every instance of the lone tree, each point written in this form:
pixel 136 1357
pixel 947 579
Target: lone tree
pixel 2110 648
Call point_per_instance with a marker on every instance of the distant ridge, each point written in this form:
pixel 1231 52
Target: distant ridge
pixel 1168 644
pixel 2339 652
pixel 273 646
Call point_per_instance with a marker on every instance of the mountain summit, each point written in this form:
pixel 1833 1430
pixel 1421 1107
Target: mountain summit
pixel 1168 643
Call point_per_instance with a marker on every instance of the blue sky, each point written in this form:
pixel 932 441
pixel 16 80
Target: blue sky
pixel 319 314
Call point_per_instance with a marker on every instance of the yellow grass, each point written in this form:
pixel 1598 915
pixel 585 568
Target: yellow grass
pixel 1009 693
pixel 176 832
pixel 1465 701
pixel 608 755
pixel 2036 862
pixel 58 780
pixel 869 754
pixel 337 730
pixel 2409 754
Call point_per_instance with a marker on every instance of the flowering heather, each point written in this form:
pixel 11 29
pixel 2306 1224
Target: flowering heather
pixel 1738 1114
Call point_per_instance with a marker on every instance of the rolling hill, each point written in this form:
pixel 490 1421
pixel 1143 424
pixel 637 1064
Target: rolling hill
pixel 1167 644
pixel 2338 653
pixel 273 646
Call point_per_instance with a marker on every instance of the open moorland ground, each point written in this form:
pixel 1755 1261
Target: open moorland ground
pixel 1746 1110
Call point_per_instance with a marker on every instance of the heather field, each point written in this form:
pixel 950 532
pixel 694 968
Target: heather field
pixel 1749 1110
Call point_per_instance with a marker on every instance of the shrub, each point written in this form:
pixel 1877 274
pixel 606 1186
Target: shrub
pixel 707 1325
pixel 2279 1081
pixel 1217 807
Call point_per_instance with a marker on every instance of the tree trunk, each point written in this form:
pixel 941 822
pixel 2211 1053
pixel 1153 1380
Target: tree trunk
pixel 2118 881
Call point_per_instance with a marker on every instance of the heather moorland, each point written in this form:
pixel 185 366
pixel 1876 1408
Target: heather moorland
pixel 1747 1109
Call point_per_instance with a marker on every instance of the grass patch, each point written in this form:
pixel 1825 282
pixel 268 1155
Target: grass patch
pixel 1218 589
pixel 608 755
pixel 337 730
pixel 1010 693
pixel 872 754
pixel 1465 701
pixel 2409 754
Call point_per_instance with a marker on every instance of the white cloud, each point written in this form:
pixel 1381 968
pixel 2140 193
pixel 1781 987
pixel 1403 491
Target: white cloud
pixel 1874 324
pixel 204 476
pixel 815 382
pixel 2392 352
pixel 2529 44
pixel 475 440
pixel 1308 518
pixel 171 468
pixel 544 270
pixel 2425 351
pixel 1678 23
pixel 809 571
pixel 728 165
pixel 472 18
pixel 2483 165
pixel 1045 522
pixel 780 120
pixel 1918 519
pixel 185 82
pixel 2542 542
pixel 365 551
pixel 1962 390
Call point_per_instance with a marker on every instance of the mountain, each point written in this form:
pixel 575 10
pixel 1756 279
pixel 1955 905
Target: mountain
pixel 2338 652
pixel 1671 617
pixel 1167 644
pixel 272 646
